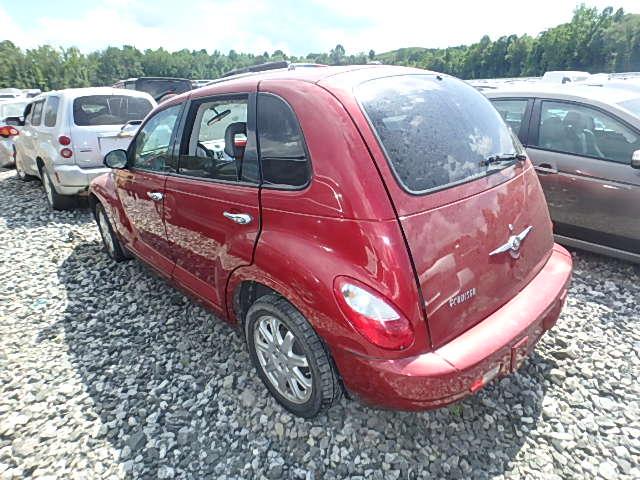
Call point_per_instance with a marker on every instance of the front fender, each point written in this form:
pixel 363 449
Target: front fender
pixel 103 188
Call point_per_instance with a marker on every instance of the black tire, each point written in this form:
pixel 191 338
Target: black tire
pixel 110 241
pixel 54 199
pixel 325 387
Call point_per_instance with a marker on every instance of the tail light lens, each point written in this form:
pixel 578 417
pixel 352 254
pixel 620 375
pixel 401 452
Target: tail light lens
pixel 372 315
pixel 66 153
pixel 64 140
pixel 8 131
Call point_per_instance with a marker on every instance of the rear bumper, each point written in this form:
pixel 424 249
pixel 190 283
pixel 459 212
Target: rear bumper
pixel 494 347
pixel 72 180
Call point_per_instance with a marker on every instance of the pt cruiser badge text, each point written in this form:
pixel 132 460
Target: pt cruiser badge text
pixel 463 297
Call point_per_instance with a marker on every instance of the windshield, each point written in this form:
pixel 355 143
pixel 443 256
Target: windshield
pixel 109 109
pixel 12 109
pixel 632 105
pixel 436 131
pixel 159 88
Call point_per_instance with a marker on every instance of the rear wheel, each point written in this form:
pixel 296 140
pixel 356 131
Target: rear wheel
pixel 290 357
pixel 55 200
pixel 109 239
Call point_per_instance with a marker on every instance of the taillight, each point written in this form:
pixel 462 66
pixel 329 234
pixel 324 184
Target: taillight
pixel 372 315
pixel 64 140
pixel 66 153
pixel 8 131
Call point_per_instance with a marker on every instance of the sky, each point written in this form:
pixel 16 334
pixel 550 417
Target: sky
pixel 295 27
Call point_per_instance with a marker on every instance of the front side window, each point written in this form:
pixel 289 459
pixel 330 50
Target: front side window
pixel 36 116
pixel 51 111
pixel 512 112
pixel 282 150
pixel 153 142
pixel 581 130
pixel 436 131
pixel 109 109
pixel 218 140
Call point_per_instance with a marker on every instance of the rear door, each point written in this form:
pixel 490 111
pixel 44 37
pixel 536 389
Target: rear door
pixel 435 136
pixel 212 209
pixel 583 157
pixel 141 188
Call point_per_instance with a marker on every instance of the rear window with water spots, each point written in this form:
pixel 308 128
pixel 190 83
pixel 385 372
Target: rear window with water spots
pixel 436 131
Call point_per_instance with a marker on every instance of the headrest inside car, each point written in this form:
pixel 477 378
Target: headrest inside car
pixel 231 147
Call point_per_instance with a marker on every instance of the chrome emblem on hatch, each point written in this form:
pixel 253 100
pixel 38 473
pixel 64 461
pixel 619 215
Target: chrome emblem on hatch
pixel 513 243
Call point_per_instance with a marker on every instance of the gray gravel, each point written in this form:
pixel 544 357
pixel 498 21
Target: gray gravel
pixel 107 372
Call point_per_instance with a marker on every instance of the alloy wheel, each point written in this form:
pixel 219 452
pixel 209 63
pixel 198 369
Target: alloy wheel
pixel 282 359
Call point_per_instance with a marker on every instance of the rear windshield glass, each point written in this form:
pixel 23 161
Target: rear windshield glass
pixel 436 131
pixel 632 105
pixel 109 109
pixel 12 109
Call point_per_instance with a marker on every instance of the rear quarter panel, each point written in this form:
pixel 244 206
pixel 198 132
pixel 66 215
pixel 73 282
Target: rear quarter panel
pixel 341 224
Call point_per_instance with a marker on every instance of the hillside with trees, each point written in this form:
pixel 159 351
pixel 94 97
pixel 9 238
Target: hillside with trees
pixel 595 41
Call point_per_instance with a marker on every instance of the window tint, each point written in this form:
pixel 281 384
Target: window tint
pixel 282 152
pixel 153 142
pixel 109 109
pixel 581 130
pixel 51 111
pixel 512 112
pixel 218 140
pixel 36 116
pixel 436 131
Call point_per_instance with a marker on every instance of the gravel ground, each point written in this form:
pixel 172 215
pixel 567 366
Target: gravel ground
pixel 107 372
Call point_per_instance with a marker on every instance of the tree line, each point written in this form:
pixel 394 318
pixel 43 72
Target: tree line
pixel 595 41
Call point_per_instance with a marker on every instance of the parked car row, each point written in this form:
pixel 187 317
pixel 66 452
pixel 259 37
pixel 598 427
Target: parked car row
pixel 370 229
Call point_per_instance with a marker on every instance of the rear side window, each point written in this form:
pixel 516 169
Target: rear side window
pixel 51 111
pixel 36 116
pixel 436 131
pixel 512 112
pixel 109 109
pixel 282 150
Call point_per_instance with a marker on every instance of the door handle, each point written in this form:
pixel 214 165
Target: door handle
pixel 239 218
pixel 155 196
pixel 545 168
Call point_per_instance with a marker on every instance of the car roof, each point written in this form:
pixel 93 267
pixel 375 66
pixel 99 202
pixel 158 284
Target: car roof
pixel 83 92
pixel 608 95
pixel 351 74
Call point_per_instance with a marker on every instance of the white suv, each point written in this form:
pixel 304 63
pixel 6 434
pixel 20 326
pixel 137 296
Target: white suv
pixel 65 135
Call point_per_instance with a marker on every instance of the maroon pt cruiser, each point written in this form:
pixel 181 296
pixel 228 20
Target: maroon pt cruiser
pixel 370 229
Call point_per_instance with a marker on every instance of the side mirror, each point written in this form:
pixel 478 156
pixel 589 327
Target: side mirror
pixel 116 159
pixel 7 131
pixel 14 121
pixel 635 159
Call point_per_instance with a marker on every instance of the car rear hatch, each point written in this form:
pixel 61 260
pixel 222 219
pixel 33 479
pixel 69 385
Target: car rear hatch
pixel 473 214
pixel 99 121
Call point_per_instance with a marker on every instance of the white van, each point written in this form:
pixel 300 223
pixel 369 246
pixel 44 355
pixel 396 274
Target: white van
pixel 65 135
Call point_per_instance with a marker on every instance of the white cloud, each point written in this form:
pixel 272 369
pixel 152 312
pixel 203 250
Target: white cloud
pixel 296 28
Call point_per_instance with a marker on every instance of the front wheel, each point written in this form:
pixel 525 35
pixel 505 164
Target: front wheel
pixel 109 239
pixel 290 357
